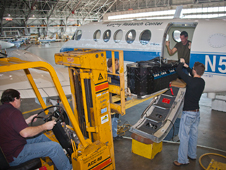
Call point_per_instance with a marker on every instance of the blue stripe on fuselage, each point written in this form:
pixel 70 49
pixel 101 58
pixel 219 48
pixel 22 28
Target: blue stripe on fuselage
pixel 66 49
pixel 136 55
pixel 128 55
pixel 214 63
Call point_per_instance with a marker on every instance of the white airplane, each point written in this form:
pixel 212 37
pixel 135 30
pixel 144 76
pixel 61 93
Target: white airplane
pixel 18 80
pixel 143 40
pixel 7 39
pixel 18 42
pixel 47 40
pixel 4 45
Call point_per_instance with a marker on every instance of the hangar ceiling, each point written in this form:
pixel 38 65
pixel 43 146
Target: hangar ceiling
pixel 38 13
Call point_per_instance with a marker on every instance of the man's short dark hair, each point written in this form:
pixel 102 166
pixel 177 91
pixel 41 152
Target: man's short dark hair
pixel 9 95
pixel 199 68
pixel 109 63
pixel 184 33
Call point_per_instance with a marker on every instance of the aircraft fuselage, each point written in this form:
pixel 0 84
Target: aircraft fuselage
pixel 145 40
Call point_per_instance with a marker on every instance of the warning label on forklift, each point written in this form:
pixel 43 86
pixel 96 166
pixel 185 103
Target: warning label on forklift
pixel 103 110
pixel 104 119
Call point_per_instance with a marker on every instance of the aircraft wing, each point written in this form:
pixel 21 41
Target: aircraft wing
pixel 47 40
pixel 18 79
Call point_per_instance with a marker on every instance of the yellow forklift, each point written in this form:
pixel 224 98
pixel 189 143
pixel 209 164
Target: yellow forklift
pixel 88 141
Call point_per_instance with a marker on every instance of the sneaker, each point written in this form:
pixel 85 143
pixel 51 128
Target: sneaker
pixel 117 138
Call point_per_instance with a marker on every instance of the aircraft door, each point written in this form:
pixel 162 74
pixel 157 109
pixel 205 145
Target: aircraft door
pixel 172 34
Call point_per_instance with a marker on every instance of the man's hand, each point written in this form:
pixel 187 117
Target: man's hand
pixel 28 120
pixel 49 125
pixel 185 65
pixel 34 130
pixel 182 60
pixel 167 43
pixel 189 45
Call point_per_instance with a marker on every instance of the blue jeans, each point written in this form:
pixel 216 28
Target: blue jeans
pixel 188 134
pixel 114 122
pixel 41 146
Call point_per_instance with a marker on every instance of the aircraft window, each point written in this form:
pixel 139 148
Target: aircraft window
pixel 176 36
pixel 96 35
pixel 107 35
pixel 145 37
pixel 118 36
pixel 130 36
pixel 78 34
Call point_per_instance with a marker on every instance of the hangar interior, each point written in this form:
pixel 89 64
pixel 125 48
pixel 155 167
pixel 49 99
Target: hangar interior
pixel 59 19
pixel 46 17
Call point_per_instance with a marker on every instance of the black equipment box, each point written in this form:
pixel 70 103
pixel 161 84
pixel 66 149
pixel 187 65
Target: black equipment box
pixel 147 77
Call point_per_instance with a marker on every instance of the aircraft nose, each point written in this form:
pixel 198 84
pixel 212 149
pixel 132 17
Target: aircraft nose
pixel 11 45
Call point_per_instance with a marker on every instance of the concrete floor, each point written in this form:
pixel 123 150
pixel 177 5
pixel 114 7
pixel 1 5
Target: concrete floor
pixel 212 131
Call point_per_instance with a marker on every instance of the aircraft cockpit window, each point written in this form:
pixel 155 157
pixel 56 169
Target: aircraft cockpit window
pixel 145 37
pixel 78 34
pixel 118 36
pixel 130 36
pixel 176 36
pixel 107 35
pixel 96 35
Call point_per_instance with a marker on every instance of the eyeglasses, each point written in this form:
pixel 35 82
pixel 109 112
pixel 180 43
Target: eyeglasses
pixel 19 99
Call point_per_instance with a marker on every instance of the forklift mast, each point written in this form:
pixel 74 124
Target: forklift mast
pixel 91 106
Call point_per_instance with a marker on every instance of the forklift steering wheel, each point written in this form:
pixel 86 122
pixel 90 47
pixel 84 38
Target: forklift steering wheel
pixel 59 113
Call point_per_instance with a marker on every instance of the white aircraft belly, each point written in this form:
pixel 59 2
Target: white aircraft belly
pixel 18 80
pixel 214 81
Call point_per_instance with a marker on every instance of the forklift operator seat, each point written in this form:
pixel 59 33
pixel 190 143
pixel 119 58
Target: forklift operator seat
pixel 29 165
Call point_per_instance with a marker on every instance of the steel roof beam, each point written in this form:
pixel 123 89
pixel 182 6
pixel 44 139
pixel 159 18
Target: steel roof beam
pixel 107 10
pixel 65 5
pixel 51 12
pixel 74 9
pixel 91 10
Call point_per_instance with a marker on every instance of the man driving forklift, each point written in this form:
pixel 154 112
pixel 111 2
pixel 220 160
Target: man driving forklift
pixel 20 142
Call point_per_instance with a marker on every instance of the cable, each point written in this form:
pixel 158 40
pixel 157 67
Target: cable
pixel 209 154
pixel 173 126
pixel 121 130
pixel 201 146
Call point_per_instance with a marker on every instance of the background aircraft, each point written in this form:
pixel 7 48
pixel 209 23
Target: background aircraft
pixel 4 45
pixel 18 42
pixel 47 40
